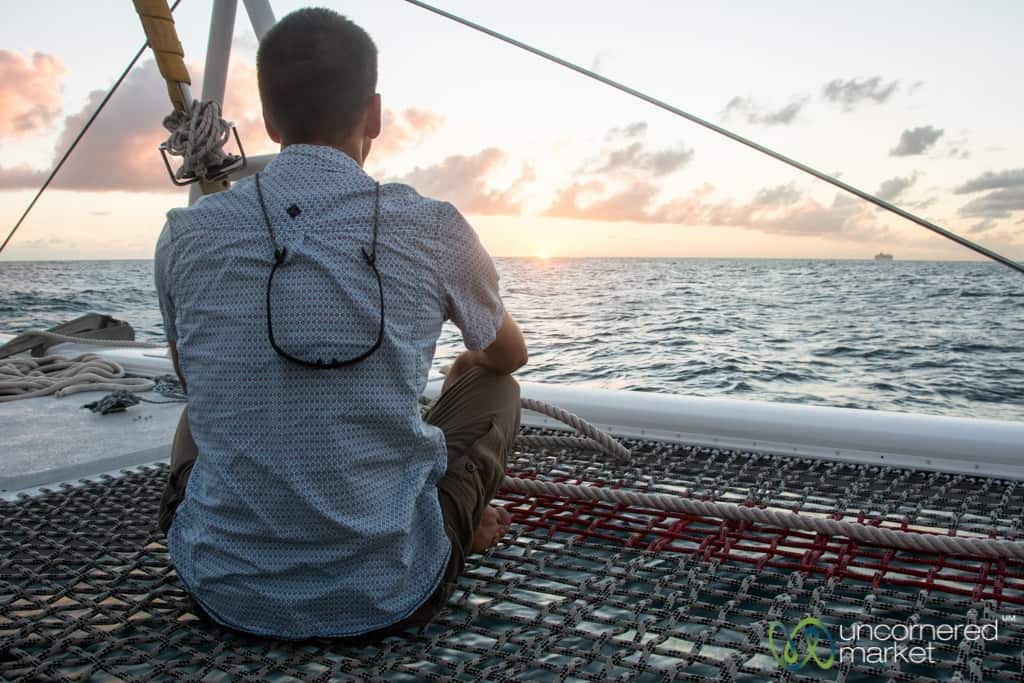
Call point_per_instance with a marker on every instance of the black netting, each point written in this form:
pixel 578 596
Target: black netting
pixel 577 591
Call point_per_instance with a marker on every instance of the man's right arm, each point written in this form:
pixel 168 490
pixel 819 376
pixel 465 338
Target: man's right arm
pixel 506 354
pixel 472 300
pixel 162 279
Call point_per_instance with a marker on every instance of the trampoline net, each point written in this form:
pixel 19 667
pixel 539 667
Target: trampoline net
pixel 576 591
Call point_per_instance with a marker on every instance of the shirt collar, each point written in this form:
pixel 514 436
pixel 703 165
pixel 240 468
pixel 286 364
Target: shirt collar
pixel 316 157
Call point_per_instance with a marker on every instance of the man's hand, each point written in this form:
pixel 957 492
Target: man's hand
pixel 177 366
pixel 506 354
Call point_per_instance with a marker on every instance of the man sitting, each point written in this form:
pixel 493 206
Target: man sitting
pixel 307 497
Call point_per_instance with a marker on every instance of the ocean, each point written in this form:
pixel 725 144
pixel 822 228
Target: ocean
pixel 943 338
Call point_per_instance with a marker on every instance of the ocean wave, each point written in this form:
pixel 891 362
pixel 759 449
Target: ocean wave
pixel 912 336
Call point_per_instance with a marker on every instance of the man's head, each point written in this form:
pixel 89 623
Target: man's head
pixel 317 76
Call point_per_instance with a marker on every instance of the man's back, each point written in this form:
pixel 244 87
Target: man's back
pixel 312 509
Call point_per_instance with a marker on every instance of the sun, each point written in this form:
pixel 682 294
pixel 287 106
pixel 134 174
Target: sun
pixel 544 255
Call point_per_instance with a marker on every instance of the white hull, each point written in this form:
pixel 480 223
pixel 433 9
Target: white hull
pixel 959 445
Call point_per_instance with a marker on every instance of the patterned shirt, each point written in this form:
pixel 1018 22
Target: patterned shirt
pixel 312 509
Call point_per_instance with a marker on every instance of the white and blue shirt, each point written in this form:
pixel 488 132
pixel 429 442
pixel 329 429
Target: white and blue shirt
pixel 312 508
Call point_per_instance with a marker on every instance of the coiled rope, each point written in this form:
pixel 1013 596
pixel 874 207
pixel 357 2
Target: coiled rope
pixel 23 377
pixel 198 137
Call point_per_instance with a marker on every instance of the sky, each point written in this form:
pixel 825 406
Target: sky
pixel 916 101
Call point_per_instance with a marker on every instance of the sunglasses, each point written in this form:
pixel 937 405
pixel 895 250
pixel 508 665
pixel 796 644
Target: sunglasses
pixel 280 253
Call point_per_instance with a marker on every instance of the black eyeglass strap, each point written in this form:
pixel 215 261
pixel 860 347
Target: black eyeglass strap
pixel 279 256
pixel 279 253
pixel 371 258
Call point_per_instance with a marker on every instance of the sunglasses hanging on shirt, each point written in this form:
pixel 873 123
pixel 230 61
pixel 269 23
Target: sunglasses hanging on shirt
pixel 279 256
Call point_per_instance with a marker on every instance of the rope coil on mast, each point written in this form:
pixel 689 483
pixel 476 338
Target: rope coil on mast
pixel 198 137
pixel 197 131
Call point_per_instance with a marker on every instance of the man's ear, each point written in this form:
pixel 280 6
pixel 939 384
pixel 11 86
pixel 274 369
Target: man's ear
pixel 374 117
pixel 271 130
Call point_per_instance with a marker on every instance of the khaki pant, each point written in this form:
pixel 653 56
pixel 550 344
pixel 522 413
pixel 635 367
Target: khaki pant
pixel 479 415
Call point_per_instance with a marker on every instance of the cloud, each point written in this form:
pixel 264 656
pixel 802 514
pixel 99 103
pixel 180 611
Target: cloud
pixel 893 187
pixel 21 178
pixel 632 130
pixel 29 92
pixel 242 107
pixel 853 92
pixel 923 204
pixel 634 158
pixel 405 128
pixel 781 195
pixel 781 214
pixel 983 226
pixel 915 141
pixel 630 204
pixel 997 204
pixel 745 107
pixel 119 152
pixel 1005 195
pixel 993 181
pixel 779 210
pixel 462 180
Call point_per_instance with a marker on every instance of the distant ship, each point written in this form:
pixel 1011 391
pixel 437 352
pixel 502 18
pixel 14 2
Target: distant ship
pixel 883 257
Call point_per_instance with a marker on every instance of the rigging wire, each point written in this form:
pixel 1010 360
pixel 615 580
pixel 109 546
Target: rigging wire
pixel 866 196
pixel 81 133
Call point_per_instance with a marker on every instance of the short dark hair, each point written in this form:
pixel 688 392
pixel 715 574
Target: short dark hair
pixel 317 70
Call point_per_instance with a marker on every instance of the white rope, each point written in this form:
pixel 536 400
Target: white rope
pixel 198 137
pixel 594 438
pixel 23 377
pixel 597 439
pixel 864 532
pixel 922 542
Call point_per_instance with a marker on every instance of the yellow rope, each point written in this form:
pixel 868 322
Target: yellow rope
pixel 158 24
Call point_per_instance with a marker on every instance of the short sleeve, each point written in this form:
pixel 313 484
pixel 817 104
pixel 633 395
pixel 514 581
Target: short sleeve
pixel 468 280
pixel 162 276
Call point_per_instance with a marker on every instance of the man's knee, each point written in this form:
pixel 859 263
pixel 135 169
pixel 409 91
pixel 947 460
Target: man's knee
pixel 505 387
pixel 501 394
pixel 493 384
